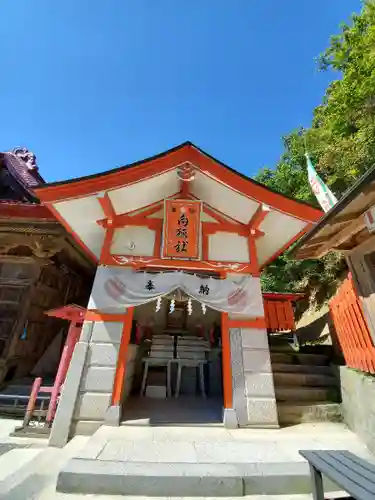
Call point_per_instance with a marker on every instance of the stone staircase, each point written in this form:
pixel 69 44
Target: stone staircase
pixel 305 385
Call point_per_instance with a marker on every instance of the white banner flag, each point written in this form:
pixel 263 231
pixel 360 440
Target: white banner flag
pixel 322 192
pixel 116 289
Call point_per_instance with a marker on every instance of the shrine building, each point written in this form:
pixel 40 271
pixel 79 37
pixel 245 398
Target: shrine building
pixel 176 310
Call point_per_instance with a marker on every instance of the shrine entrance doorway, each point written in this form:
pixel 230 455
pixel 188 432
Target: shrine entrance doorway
pixel 175 377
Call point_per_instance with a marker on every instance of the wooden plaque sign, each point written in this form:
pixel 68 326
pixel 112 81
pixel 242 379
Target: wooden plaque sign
pixel 182 224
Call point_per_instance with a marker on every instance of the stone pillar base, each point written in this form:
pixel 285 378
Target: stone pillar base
pixel 230 418
pixel 113 415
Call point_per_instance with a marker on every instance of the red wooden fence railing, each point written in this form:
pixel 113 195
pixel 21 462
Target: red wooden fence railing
pixel 279 315
pixel 351 328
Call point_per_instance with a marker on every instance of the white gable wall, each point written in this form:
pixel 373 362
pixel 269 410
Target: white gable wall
pixel 228 247
pixel 81 214
pixel 133 240
pixel 225 200
pixel 143 194
pixel 279 229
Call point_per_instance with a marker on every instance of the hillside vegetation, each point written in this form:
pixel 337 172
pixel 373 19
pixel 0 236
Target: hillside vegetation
pixel 341 144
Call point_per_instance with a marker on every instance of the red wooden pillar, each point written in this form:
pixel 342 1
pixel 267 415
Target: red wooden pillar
pixel 120 374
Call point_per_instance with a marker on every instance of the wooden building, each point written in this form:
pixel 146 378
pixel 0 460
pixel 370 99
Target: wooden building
pixel 180 240
pixel 349 228
pixel 41 267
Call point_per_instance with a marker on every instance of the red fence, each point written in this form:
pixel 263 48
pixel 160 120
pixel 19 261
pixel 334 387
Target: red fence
pixel 351 328
pixel 279 315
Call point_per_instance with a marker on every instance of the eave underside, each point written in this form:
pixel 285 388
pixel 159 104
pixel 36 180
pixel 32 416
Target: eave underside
pixel 128 191
pixel 343 232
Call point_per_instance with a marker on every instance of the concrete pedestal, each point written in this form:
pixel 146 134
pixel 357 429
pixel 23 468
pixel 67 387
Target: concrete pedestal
pixel 113 415
pixel 230 418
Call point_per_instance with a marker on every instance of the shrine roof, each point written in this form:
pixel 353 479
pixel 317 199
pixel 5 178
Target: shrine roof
pixel 46 187
pixel 343 227
pixel 141 184
pixel 20 163
pixel 12 209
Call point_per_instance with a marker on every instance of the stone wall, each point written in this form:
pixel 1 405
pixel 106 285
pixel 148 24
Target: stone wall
pixel 253 387
pixel 87 391
pixel 358 404
pixel 95 391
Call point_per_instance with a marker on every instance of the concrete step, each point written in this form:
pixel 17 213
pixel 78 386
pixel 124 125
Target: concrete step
pixel 306 394
pixel 303 379
pixel 53 495
pixel 157 479
pixel 299 358
pixel 288 368
pixel 298 413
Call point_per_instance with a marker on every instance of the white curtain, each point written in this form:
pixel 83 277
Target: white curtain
pixel 116 288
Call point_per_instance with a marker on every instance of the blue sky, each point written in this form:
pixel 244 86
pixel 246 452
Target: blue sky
pixel 89 85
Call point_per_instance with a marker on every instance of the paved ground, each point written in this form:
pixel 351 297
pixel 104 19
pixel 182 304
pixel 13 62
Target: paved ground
pixel 216 444
pixel 191 460
pixel 29 469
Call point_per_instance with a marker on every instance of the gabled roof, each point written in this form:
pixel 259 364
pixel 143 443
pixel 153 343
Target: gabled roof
pixel 115 177
pixel 146 182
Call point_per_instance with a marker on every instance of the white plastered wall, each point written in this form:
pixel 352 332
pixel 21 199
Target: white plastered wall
pixel 279 229
pixel 228 247
pixel 133 240
pixel 81 214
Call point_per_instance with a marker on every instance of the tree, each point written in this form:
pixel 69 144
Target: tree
pixel 341 142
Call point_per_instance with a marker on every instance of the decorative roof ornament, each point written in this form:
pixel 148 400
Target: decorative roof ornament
pixel 27 157
pixel 186 172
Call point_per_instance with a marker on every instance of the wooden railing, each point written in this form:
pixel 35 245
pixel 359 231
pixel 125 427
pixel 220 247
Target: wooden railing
pixel 351 328
pixel 279 315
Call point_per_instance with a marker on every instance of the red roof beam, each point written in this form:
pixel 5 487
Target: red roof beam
pixel 256 220
pixel 107 207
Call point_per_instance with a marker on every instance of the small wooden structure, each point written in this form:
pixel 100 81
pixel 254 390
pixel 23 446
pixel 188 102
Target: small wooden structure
pixel 41 267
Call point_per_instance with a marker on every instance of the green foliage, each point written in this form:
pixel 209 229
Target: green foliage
pixel 341 143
